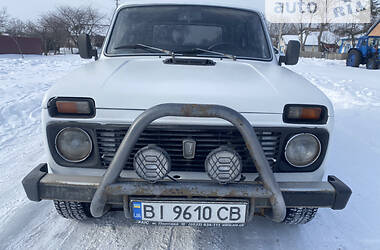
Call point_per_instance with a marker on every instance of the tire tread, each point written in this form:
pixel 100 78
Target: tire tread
pixel 296 216
pixel 72 210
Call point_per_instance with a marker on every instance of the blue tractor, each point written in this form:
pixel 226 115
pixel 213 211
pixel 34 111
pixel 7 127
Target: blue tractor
pixel 365 52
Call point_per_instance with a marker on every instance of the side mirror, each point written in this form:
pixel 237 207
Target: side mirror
pixel 85 48
pixel 292 53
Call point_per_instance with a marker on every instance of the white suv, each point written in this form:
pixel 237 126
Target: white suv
pixel 187 118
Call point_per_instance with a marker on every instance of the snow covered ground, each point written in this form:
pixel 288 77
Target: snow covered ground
pixel 354 157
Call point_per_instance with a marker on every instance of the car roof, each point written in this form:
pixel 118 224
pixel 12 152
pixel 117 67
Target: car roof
pixel 255 5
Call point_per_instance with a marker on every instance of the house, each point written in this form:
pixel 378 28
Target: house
pixel 328 41
pixel 20 45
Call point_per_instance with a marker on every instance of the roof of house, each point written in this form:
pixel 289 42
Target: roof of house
pixel 257 5
pixel 375 29
pixel 312 39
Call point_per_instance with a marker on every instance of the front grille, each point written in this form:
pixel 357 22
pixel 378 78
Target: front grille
pixel 171 140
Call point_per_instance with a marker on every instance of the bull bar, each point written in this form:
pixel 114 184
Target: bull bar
pixel 266 192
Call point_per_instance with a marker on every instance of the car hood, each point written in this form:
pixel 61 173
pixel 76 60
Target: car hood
pixel 141 83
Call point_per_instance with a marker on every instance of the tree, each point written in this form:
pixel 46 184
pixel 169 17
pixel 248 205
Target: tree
pixel 304 29
pixel 3 19
pixel 52 32
pixel 351 30
pixel 277 30
pixel 79 20
pixel 62 27
pixel 16 27
pixel 375 10
pixel 322 28
pixel 58 28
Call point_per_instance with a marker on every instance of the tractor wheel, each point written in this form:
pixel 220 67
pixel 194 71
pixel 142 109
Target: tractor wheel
pixel 354 58
pixel 372 63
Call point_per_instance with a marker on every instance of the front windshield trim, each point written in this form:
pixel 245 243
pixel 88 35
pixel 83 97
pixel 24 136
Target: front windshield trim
pixel 107 42
pixel 195 55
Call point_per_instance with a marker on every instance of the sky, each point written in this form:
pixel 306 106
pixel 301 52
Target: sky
pixel 32 9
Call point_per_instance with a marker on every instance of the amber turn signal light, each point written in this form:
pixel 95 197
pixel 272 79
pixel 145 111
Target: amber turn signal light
pixel 72 107
pixel 305 114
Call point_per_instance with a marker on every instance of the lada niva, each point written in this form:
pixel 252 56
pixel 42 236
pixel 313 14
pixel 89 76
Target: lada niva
pixel 187 117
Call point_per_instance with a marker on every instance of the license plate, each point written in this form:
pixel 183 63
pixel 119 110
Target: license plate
pixel 190 213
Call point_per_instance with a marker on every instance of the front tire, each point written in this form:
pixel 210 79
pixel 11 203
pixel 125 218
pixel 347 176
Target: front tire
pixel 372 63
pixel 354 58
pixel 73 210
pixel 296 216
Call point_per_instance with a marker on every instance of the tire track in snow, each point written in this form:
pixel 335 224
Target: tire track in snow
pixel 26 226
pixel 23 84
pixel 345 86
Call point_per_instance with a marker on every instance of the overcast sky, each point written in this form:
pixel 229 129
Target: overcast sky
pixel 31 9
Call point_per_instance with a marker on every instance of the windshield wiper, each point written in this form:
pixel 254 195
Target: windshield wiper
pixel 171 53
pixel 146 47
pixel 218 53
pixel 195 50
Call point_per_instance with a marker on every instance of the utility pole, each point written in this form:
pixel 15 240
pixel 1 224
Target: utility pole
pixel 117 3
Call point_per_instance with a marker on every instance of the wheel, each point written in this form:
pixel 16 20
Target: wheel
pixel 73 210
pixel 372 63
pixel 297 216
pixel 354 58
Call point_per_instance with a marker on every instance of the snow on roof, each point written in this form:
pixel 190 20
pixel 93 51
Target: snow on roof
pixel 312 39
pixel 288 38
pixel 257 5
pixel 329 37
pixel 349 37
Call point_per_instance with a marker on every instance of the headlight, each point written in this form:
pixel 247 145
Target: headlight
pixel 303 150
pixel 73 144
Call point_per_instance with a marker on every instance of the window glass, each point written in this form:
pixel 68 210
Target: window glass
pixel 182 28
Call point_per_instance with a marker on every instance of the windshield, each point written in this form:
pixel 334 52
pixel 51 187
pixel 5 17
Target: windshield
pixel 374 41
pixel 185 29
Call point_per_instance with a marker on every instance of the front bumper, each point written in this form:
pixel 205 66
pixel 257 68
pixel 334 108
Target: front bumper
pixel 111 189
pixel 40 185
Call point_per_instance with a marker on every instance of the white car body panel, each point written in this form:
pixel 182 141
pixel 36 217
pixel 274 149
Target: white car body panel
pixel 123 87
pixel 141 83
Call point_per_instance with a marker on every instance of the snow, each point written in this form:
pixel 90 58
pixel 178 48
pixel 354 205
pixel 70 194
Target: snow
pixel 354 156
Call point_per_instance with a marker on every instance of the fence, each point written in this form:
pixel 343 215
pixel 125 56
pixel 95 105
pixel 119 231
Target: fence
pixel 325 55
pixel 20 45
